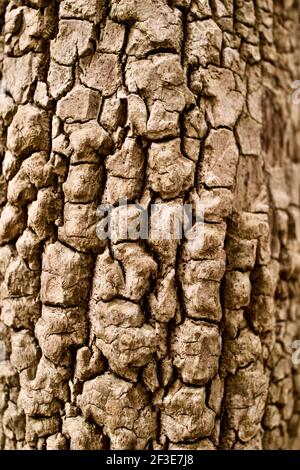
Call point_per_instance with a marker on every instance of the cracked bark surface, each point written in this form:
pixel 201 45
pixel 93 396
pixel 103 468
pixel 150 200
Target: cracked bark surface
pixel 160 344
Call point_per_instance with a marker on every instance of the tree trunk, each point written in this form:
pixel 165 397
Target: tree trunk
pixel 162 116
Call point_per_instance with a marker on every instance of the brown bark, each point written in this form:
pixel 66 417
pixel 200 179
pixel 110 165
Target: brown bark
pixel 134 343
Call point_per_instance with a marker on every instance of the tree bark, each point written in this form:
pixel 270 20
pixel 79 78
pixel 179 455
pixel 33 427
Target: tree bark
pixel 149 107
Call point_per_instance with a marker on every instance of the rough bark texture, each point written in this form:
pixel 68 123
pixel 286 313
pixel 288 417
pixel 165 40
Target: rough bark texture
pixel 133 344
